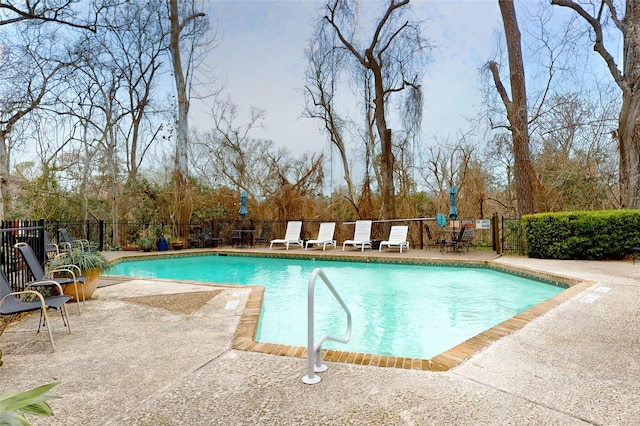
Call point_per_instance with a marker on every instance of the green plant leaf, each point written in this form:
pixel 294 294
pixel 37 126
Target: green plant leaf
pixel 13 418
pixel 33 401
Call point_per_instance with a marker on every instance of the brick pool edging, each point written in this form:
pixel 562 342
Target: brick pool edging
pixel 244 337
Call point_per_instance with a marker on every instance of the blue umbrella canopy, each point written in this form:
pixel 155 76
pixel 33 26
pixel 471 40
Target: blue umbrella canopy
pixel 453 211
pixel 441 220
pixel 243 205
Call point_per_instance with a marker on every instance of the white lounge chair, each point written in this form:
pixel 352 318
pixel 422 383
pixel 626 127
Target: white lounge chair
pixel 361 236
pixel 292 236
pixel 397 238
pixel 325 236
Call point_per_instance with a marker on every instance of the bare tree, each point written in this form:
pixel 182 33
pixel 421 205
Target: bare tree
pixel 244 158
pixel 92 102
pixel 576 159
pixel 185 25
pixel 294 182
pixel 322 76
pixel 134 43
pixel 446 164
pixel 28 74
pixel 628 132
pixel 516 107
pixel 270 176
pixel 388 64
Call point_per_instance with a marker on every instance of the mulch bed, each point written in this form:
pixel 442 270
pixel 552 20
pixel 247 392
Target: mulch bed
pixel 182 303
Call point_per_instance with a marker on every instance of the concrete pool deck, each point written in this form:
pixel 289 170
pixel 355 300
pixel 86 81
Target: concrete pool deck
pixel 130 363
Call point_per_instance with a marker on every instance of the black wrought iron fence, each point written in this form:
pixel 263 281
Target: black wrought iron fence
pixel 92 231
pixel 219 232
pixel 19 231
pixel 511 240
pixel 123 235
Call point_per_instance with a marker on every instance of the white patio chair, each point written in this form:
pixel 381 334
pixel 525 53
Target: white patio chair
pixel 292 236
pixel 325 236
pixel 361 236
pixel 397 238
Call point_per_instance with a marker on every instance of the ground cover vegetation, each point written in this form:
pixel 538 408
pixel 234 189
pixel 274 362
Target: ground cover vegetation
pixel 89 130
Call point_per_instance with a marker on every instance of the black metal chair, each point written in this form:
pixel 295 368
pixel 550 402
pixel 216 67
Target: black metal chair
pixel 432 242
pixel 467 239
pixel 456 243
pixel 39 274
pixel 69 243
pixel 50 248
pixel 265 235
pixel 11 304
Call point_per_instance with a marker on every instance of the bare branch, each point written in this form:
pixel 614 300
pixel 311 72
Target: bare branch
pixel 392 6
pixel 331 20
pixel 598 45
pixel 614 16
pixel 45 12
pixel 502 91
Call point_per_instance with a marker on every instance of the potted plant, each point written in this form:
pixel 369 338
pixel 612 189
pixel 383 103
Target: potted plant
pixel 90 265
pixel 145 243
pixel 177 244
pixel 145 239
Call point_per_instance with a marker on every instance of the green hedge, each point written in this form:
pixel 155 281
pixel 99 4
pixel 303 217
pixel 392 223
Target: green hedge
pixel 594 235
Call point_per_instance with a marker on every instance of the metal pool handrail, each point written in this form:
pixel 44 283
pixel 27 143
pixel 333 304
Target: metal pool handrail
pixel 314 352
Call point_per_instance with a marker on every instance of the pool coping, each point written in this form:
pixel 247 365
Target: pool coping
pixel 244 335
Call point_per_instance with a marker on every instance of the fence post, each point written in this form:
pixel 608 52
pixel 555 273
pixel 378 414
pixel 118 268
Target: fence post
pixel 101 235
pixel 495 233
pixel 40 233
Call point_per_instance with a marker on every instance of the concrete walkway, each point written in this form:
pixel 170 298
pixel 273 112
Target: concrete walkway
pixel 131 363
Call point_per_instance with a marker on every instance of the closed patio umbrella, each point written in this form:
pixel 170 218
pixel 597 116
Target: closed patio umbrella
pixel 453 211
pixel 243 205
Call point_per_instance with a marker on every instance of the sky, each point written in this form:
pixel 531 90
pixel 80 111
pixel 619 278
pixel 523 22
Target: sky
pixel 260 62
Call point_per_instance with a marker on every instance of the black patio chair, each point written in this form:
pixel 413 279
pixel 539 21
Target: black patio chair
pixel 69 243
pixel 456 243
pixel 39 274
pixel 11 304
pixel 50 248
pixel 467 239
pixel 265 235
pixel 432 242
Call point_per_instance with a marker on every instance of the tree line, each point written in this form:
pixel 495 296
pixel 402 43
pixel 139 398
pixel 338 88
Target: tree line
pixel 96 98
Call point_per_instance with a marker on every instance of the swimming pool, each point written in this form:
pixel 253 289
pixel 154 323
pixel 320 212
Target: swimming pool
pixel 403 310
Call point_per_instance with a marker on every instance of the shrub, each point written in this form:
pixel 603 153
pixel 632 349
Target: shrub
pixel 595 235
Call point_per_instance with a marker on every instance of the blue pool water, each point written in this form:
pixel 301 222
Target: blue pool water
pixel 400 310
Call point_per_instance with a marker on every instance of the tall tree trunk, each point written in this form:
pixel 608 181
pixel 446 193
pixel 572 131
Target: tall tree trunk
pixel 384 133
pixel 182 197
pixel 517 110
pixel 629 119
pixel 4 172
pixel 629 145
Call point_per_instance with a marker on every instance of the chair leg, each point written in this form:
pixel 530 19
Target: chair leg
pixel 75 286
pixel 48 326
pixel 65 315
pixel 40 322
pixel 83 298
